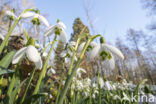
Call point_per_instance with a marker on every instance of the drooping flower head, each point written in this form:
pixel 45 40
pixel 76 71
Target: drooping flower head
pixel 58 29
pixel 31 53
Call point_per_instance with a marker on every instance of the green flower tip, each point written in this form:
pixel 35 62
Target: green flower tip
pixel 37 11
pixel 31 41
pixel 36 21
pixel 58 20
pixel 102 40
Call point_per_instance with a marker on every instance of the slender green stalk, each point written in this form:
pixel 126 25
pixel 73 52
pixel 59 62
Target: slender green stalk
pixel 69 77
pixel 28 84
pixel 10 23
pixel 73 57
pixel 42 74
pixel 99 84
pixel 8 35
pixel 13 81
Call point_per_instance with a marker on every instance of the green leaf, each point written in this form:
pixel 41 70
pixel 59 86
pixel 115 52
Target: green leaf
pixel 5 62
pixel 26 34
pixel 34 97
pixel 139 87
pixel 16 90
pixel 6 71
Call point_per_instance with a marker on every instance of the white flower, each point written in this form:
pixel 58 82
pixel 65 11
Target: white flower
pixel 80 48
pixel 50 96
pixel 51 70
pixel 93 53
pixel 10 13
pixel 97 53
pixel 31 53
pixel 51 30
pixel 44 54
pixel 72 43
pixel 79 72
pixel 27 15
pixel 1 37
pixel 108 86
pixel 35 15
pixel 109 63
pixel 112 50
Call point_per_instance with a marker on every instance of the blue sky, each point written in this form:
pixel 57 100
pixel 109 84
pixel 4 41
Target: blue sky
pixel 112 17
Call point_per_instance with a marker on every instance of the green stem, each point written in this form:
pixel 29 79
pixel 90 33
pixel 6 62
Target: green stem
pixel 10 23
pixel 99 84
pixel 8 35
pixel 28 84
pixel 73 57
pixel 69 77
pixel 13 81
pixel 42 74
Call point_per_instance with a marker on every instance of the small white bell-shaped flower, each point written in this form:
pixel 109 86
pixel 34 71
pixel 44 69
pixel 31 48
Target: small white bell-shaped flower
pixel 10 13
pixel 62 35
pixel 31 53
pixel 51 71
pixel 35 15
pixel 79 72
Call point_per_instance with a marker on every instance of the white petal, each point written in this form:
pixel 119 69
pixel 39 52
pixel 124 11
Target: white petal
pixel 93 44
pixel 51 70
pixel 63 53
pixel 63 37
pixel 38 64
pixel 44 20
pixel 61 25
pixel 1 37
pixel 72 43
pixel 109 63
pixel 113 50
pixel 67 60
pixel 27 15
pixel 19 55
pixel 81 70
pixel 32 54
pixel 80 48
pixel 45 54
pixel 9 13
pixel 93 53
pixel 50 31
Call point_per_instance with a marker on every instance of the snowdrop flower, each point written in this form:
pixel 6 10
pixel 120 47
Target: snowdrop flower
pixel 106 53
pixel 31 53
pixel 10 13
pixel 113 50
pixel 52 29
pixel 79 72
pixel 91 45
pixel 96 51
pixel 108 86
pixel 50 96
pixel 35 15
pixel 45 54
pixel 72 43
pixel 1 37
pixel 51 71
